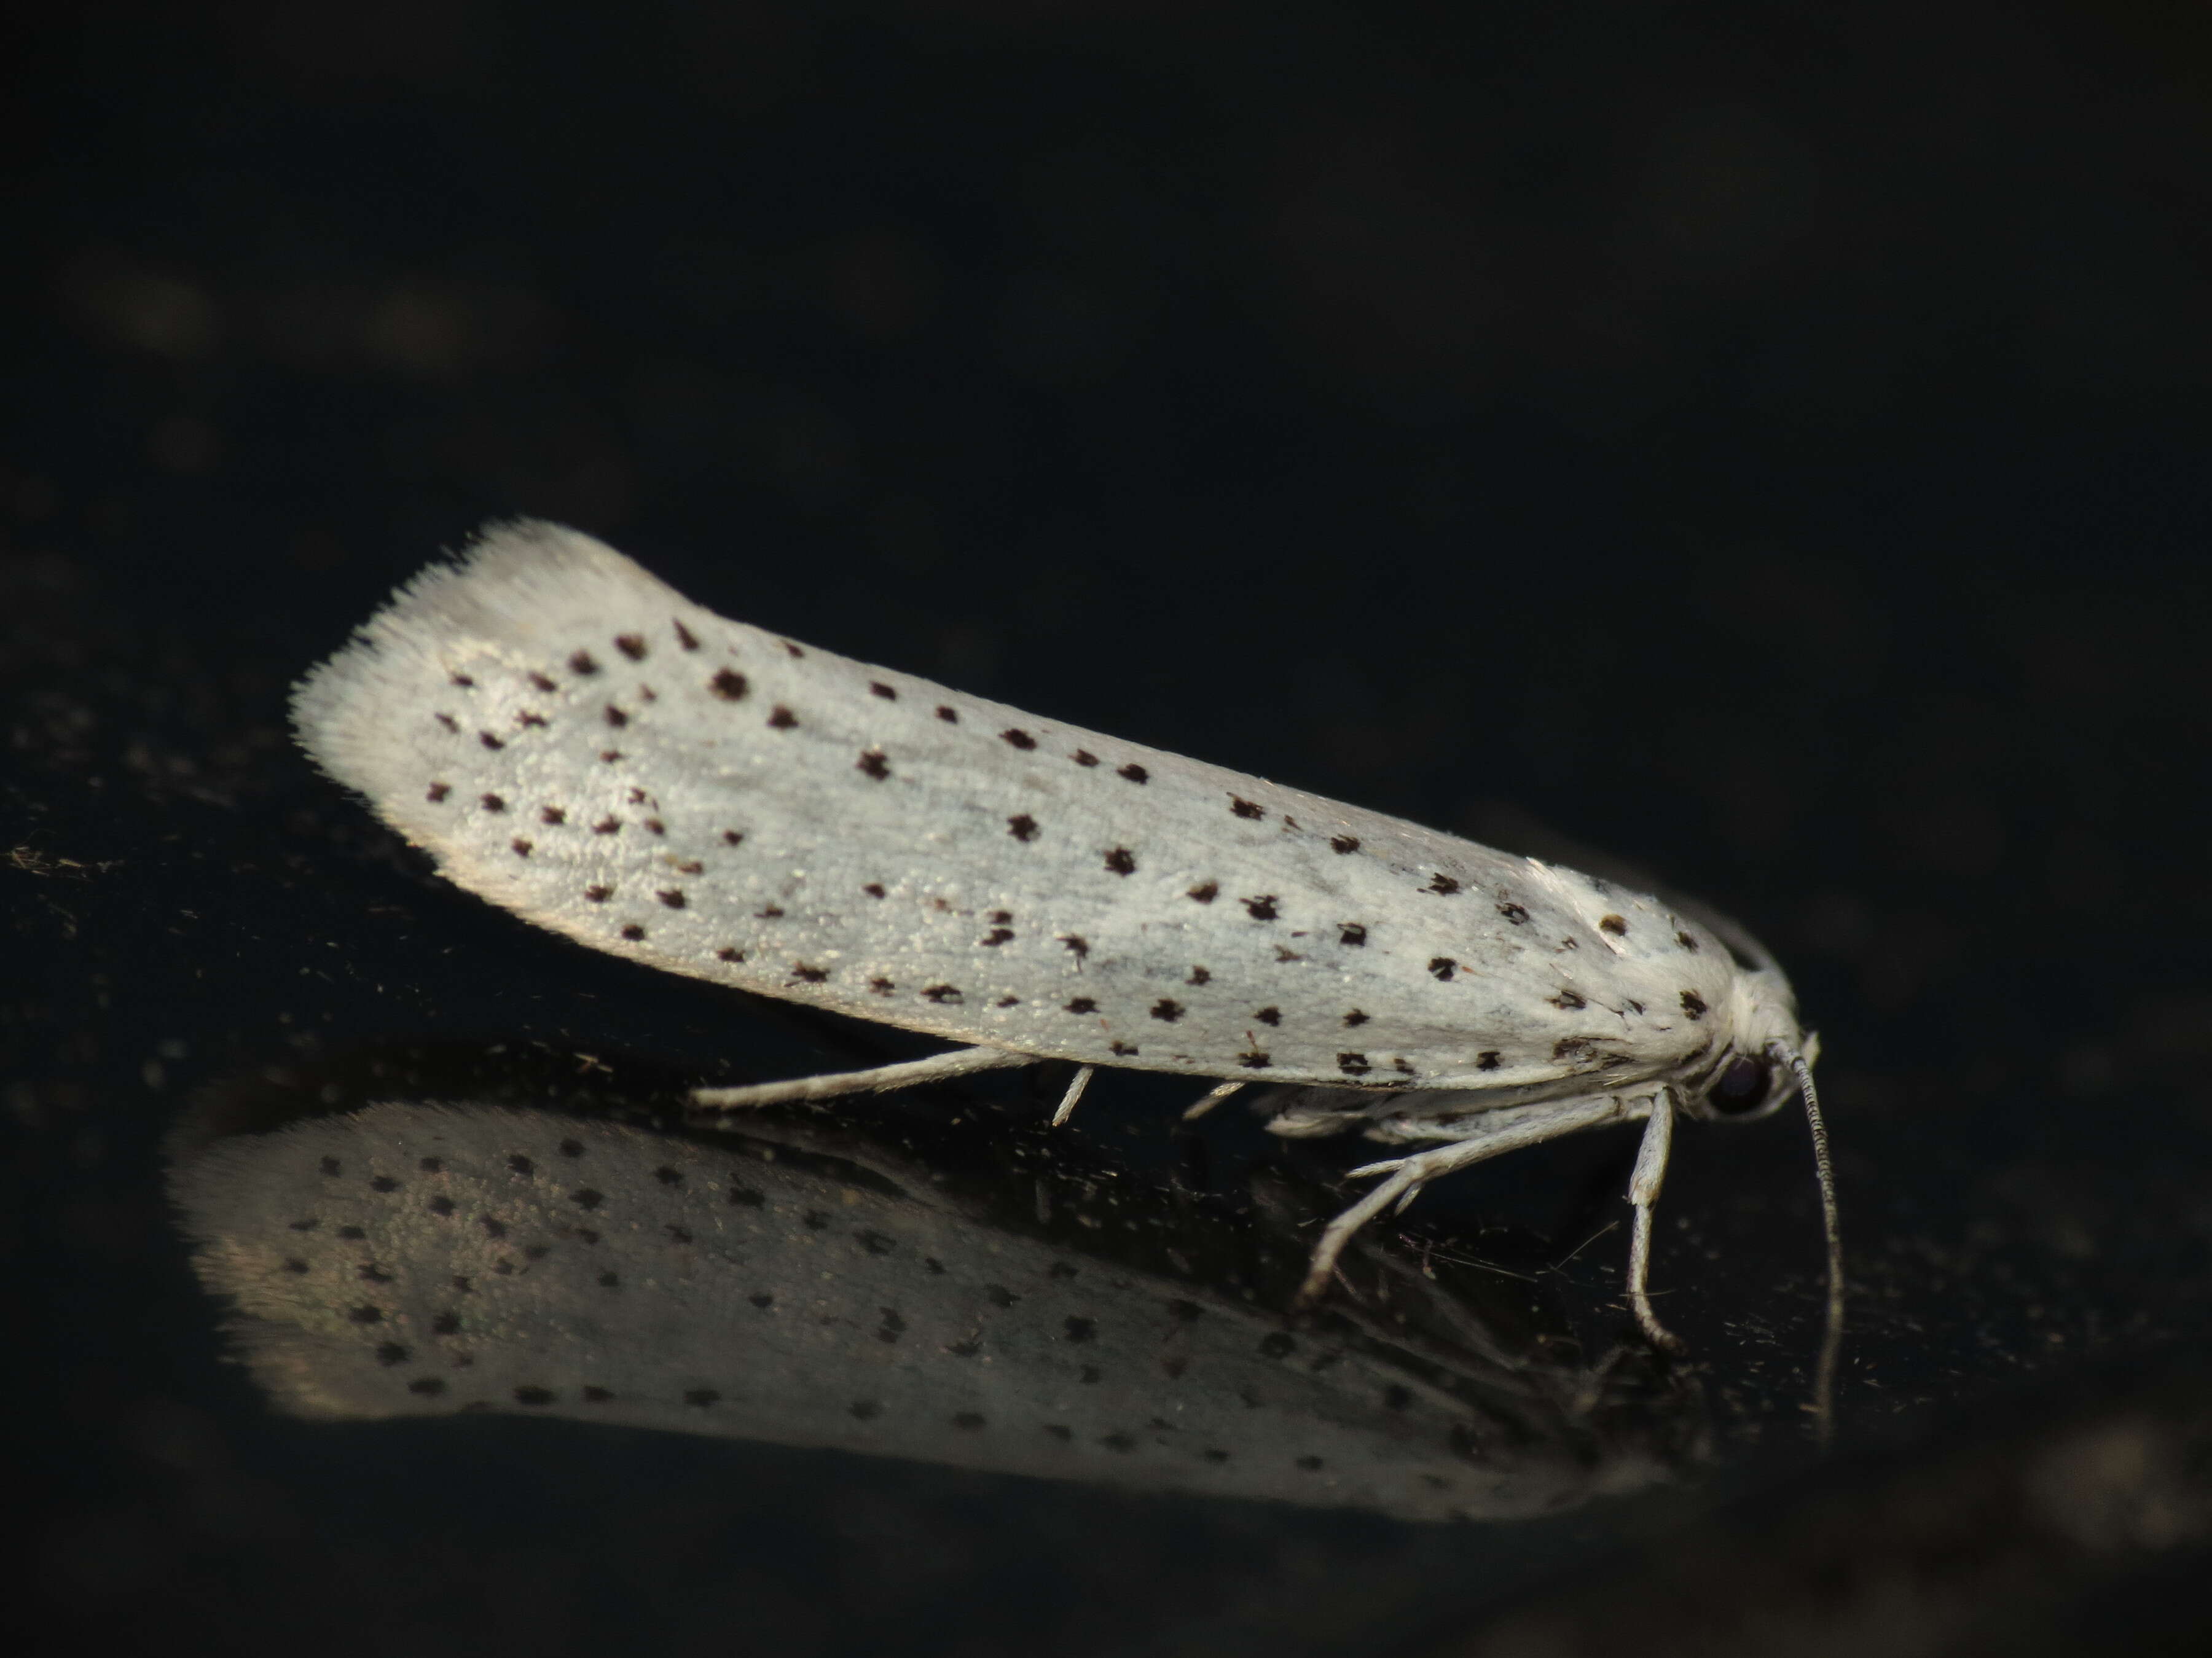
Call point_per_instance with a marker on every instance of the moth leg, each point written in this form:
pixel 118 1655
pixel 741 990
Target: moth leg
pixel 1080 1081
pixel 1510 1129
pixel 1643 1193
pixel 957 1063
pixel 1211 1097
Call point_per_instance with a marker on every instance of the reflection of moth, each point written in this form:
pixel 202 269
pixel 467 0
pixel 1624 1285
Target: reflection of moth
pixel 419 1260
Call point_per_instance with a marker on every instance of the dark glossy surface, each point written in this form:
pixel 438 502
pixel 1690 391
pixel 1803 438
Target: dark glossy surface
pixel 1771 452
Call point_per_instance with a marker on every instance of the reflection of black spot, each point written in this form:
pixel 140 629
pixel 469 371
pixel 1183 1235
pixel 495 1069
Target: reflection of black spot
pixel 428 1385
pixel 1395 1397
pixel 596 1395
pixel 971 1420
pixel 1081 1329
pixel 1089 1374
pixel 332 1168
pixel 294 1264
pixel 865 1410
pixel 1310 1463
pixel 700 1397
pixel 1118 1442
pixel 367 1314
pixel 874 1243
pixel 763 1300
pixel 384 1183
pixel 1212 1454
pixel 893 1326
pixel 391 1353
pixel 745 1195
pixel 533 1396
pixel 1059 1432
pixel 668 1176
pixel 1000 1296
pixel 1278 1345
pixel 585 1198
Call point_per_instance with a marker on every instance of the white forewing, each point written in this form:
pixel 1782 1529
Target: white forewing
pixel 573 739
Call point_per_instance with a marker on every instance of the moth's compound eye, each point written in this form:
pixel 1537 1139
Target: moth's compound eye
pixel 1741 1087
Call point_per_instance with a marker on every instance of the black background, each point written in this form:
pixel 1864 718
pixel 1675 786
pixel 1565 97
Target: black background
pixel 1766 442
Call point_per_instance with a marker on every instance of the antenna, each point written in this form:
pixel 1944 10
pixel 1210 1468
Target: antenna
pixel 1831 1333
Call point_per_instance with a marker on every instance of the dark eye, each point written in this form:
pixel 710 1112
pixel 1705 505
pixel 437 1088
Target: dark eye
pixel 1741 1087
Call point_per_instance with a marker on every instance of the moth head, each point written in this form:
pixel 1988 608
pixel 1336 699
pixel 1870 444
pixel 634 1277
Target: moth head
pixel 1761 1066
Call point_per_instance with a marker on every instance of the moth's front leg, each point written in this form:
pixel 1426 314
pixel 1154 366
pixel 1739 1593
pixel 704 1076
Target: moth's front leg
pixel 1485 1135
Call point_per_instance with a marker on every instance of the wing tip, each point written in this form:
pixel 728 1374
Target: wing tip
pixel 511 578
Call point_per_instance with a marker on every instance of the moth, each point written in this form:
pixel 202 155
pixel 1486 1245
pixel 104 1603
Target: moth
pixel 573 739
